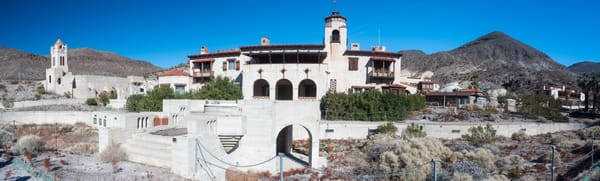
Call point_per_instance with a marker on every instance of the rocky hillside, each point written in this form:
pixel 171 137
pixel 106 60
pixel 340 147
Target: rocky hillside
pixel 21 65
pixel 496 59
pixel 585 67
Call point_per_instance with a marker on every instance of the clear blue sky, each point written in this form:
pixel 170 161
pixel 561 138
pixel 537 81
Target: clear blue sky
pixel 165 32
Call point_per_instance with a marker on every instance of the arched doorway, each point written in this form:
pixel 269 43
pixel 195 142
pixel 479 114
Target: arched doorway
pixel 307 89
pixel 261 88
pixel 283 90
pixel 296 146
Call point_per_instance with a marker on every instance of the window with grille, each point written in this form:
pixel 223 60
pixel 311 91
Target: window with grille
pixel 352 64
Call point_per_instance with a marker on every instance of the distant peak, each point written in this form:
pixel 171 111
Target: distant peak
pixel 493 35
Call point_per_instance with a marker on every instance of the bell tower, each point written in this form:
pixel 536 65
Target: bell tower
pixel 336 32
pixel 58 56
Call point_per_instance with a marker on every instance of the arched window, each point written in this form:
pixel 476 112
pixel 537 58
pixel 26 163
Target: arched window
pixel 58 81
pixel 284 90
pixel 335 36
pixel 307 89
pixel 261 88
pixel 49 78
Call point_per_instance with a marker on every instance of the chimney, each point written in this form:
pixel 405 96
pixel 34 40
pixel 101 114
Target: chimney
pixel 265 41
pixel 203 50
pixel 354 46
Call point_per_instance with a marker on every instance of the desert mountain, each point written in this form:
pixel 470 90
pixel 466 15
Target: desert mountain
pixel 585 67
pixel 21 65
pixel 496 59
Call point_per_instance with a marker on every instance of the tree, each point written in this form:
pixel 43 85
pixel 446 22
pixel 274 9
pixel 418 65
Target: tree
pixel 219 88
pixel 133 102
pixel 590 86
pixel 153 101
pixel 541 105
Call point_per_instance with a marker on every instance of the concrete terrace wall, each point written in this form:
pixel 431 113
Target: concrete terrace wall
pixel 360 129
pixel 47 117
pixel 46 102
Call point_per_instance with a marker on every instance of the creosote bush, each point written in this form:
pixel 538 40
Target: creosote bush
pixel 413 131
pixel 91 102
pixel 479 135
pixel 387 128
pixel 113 152
pixel 520 136
pixel 30 142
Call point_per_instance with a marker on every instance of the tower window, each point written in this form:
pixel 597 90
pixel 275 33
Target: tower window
pixel 353 64
pixel 335 36
pixel 49 79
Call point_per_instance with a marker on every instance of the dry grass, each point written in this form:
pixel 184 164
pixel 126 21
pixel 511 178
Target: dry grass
pixel 237 175
pixel 78 138
pixel 113 152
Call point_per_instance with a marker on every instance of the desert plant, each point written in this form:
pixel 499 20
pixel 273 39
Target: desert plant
pixel 113 94
pixel 387 128
pixel 469 168
pixel 68 95
pixel 14 82
pixel 28 156
pixel 91 102
pixel 113 152
pixel 2 87
pixel 40 90
pixel 8 102
pixel 479 135
pixel 37 96
pixel 32 143
pixel 520 136
pixel 413 131
pixel 6 138
pixel 515 173
pixel 104 98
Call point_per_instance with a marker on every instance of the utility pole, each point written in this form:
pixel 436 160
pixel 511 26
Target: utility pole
pixel 280 166
pixel 434 160
pixel 553 150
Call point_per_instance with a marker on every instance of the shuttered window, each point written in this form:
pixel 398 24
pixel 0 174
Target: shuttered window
pixel 352 64
pixel 237 65
pixel 224 65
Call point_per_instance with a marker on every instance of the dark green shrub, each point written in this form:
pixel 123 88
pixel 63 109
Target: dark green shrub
pixel 133 102
pixel 91 102
pixel 370 105
pixel 41 90
pixel 387 128
pixel 104 98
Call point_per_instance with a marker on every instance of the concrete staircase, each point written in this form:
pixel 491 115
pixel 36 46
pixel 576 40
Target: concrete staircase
pixel 149 149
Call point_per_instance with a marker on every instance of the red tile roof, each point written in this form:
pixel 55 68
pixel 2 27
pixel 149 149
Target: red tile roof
pixel 174 72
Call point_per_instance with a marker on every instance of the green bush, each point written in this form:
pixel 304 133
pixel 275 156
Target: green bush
pixel 133 102
pixel 2 87
pixel 541 105
pixel 91 102
pixel 41 90
pixel 387 128
pixel 370 105
pixel 113 94
pixel 67 95
pixel 479 135
pixel 37 96
pixel 219 88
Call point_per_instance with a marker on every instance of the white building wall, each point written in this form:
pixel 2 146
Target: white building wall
pixel 295 73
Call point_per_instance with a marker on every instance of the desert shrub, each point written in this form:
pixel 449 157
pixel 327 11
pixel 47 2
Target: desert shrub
pixel 520 136
pixel 14 82
pixel 6 138
pixel 68 95
pixel 408 157
pixel 2 87
pixel 541 105
pixel 104 98
pixel 413 131
pixel 482 157
pixel 548 157
pixel 479 135
pixel 41 90
pixel 566 140
pixel 509 161
pixel 83 148
pixel 515 173
pixel 462 176
pixel 91 102
pixel 113 94
pixel 37 96
pixel 387 128
pixel 461 145
pixel 469 168
pixel 30 142
pixel 113 152
pixel 8 102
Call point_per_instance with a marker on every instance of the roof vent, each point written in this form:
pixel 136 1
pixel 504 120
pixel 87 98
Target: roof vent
pixel 265 41
pixel 354 46
pixel 203 50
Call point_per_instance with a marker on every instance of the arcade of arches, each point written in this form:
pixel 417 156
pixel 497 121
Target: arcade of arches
pixel 284 89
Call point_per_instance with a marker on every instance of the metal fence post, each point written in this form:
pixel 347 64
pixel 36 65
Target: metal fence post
pixel 434 160
pixel 553 150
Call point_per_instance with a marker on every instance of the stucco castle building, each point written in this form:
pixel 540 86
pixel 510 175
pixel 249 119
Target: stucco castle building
pixel 297 71
pixel 60 81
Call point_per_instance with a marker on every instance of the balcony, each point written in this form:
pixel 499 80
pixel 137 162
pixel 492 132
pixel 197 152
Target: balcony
pixel 203 73
pixel 381 74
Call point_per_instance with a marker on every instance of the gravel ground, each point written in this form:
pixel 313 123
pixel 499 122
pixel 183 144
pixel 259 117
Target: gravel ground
pixel 80 167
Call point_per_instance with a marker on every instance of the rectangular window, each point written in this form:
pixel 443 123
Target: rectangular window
pixel 352 64
pixel 237 65
pixel 231 64
pixel 225 66
pixel 180 89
